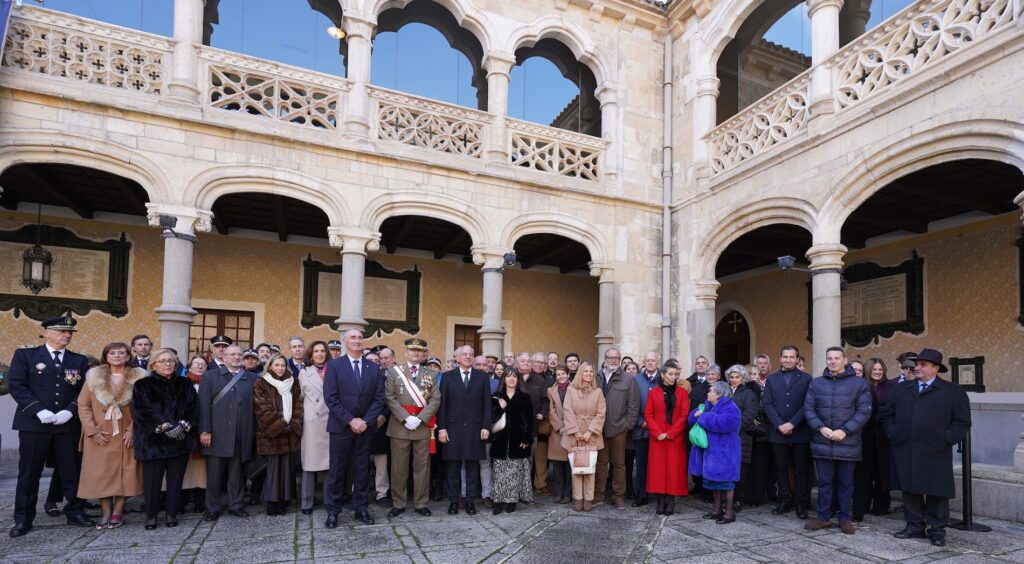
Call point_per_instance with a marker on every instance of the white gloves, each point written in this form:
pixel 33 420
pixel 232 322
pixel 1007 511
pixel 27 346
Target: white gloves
pixel 45 416
pixel 412 423
pixel 62 417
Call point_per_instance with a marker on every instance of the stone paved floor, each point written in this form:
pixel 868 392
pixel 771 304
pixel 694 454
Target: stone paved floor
pixel 542 533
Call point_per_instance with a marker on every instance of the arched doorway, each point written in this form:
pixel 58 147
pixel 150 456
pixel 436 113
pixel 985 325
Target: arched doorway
pixel 732 340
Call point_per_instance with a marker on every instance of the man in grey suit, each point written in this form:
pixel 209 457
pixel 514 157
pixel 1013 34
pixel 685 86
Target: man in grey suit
pixel 226 431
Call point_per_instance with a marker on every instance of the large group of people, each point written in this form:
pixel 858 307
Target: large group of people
pixel 319 420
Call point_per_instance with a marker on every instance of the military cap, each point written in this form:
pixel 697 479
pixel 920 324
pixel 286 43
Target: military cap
pixel 221 340
pixel 63 323
pixel 275 348
pixel 416 344
pixel 434 360
pixel 250 352
pixel 334 344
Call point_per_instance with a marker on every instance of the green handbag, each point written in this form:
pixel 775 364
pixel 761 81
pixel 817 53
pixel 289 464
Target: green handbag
pixel 699 437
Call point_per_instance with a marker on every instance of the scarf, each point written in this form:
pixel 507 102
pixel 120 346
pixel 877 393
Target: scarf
pixel 670 401
pixel 561 390
pixel 283 387
pixel 194 377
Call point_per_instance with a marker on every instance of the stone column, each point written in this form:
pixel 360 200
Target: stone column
pixel 606 308
pixel 175 312
pixel 853 20
pixel 824 16
pixel 358 35
pixel 704 112
pixel 354 244
pixel 606 96
pixel 498 66
pixel 492 333
pixel 700 322
pixel 188 34
pixel 826 278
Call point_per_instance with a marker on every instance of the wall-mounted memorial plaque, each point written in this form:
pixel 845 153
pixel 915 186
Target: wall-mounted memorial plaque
pixel 391 300
pixel 969 373
pixel 878 301
pixel 85 275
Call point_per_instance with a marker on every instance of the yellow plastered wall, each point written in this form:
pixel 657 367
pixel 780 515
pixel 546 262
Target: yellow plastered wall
pixel 971 286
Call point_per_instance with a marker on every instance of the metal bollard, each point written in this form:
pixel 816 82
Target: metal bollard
pixel 967 493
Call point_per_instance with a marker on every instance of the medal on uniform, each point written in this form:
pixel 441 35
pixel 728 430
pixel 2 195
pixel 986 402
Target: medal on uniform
pixel 72 376
pixel 40 367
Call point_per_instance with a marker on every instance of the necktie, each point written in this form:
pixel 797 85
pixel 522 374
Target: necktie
pixel 355 368
pixel 921 386
pixel 56 358
pixel 465 379
pixel 414 368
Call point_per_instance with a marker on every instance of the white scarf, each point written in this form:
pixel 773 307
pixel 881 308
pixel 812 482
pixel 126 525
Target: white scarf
pixel 283 387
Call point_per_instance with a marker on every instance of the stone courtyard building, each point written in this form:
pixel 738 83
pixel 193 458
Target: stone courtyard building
pixel 883 149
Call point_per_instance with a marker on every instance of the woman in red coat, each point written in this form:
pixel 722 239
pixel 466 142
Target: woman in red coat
pixel 667 406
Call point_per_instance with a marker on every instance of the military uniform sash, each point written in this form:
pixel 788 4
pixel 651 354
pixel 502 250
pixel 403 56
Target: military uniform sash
pixel 420 402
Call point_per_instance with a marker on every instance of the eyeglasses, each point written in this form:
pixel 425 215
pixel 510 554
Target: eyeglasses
pixel 164 361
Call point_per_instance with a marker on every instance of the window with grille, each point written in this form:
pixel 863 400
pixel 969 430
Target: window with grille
pixel 211 322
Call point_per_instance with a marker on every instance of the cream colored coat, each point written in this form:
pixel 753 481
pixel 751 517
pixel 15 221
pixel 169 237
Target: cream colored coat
pixel 108 470
pixel 316 441
pixel 556 415
pixel 583 411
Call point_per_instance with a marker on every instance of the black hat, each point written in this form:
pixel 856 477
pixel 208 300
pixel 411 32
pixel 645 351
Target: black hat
pixel 416 344
pixel 434 360
pixel 933 356
pixel 61 324
pixel 250 352
pixel 334 344
pixel 276 348
pixel 221 340
pixel 378 348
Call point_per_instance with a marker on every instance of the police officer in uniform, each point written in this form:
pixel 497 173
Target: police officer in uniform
pixel 45 382
pixel 412 395
pixel 217 345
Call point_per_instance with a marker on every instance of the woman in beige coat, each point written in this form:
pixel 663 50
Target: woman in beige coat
pixel 110 472
pixel 561 475
pixel 316 442
pixel 583 425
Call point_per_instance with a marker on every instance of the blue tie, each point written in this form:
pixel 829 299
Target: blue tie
pixel 355 368
pixel 922 387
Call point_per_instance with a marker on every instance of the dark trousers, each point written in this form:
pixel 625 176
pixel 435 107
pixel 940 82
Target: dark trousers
pixel 642 448
pixel 834 476
pixel 561 479
pixel 55 494
pixel 868 494
pixel 630 465
pixel 932 510
pixel 761 473
pixel 453 470
pixel 33 450
pixel 216 468
pixel 349 451
pixel 797 456
pixel 153 472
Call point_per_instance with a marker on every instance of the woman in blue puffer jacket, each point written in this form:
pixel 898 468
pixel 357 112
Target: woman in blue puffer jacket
pixel 719 463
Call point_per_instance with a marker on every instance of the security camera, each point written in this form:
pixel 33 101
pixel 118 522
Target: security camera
pixel 787 262
pixel 510 258
pixel 168 221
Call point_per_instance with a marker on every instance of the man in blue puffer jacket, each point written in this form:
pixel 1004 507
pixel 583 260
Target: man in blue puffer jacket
pixel 837 407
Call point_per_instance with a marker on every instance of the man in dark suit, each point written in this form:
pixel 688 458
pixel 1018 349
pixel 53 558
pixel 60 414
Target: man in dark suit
pixel 218 344
pixel 925 418
pixel 463 426
pixel 45 382
pixel 354 394
pixel 141 347
pixel 297 348
pixel 227 431
pixel 783 399
pixel 699 387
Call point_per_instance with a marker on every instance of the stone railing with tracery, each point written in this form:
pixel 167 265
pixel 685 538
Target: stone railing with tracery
pixel 42 41
pixel 921 35
pixel 264 88
pixel 770 121
pixel 430 124
pixel 557 151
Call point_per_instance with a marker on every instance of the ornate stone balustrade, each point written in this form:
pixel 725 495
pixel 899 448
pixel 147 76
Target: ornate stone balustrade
pixel 919 36
pixel 428 123
pixel 264 88
pixel 768 122
pixel 46 42
pixel 557 151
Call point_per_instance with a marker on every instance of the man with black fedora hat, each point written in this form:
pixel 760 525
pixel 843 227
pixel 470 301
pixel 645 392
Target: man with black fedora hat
pixel 925 418
pixel 45 382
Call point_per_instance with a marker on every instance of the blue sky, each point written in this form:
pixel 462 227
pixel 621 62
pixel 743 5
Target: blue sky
pixel 793 30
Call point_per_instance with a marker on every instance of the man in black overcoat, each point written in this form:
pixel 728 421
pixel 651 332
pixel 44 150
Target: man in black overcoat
pixel 45 382
pixel 925 418
pixel 463 426
pixel 783 400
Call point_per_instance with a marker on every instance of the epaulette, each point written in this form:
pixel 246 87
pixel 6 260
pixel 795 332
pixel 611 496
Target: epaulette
pixel 28 346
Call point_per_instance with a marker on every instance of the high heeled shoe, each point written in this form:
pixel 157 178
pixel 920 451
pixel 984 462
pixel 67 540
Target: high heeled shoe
pixel 171 521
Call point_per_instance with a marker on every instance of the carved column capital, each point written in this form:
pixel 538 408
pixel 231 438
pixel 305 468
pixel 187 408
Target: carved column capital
pixel 815 5
pixel 189 220
pixel 606 94
pixel 490 257
pixel 602 271
pixel 708 86
pixel 826 256
pixel 355 27
pixel 706 291
pixel 353 239
pixel 498 62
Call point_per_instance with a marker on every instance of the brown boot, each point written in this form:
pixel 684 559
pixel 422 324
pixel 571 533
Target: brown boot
pixel 587 505
pixel 578 505
pixel 846 527
pixel 817 524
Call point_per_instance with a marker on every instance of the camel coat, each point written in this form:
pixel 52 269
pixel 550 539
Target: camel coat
pixel 556 415
pixel 112 469
pixel 316 441
pixel 583 411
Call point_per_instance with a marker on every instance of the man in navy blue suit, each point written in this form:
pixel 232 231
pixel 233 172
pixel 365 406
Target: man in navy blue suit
pixel 354 394
pixel 783 398
pixel 45 382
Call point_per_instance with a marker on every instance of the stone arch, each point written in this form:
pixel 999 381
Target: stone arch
pixel 990 139
pixel 558 224
pixel 437 206
pixel 567 33
pixel 38 147
pixel 731 225
pixel 204 189
pixel 723 308
pixel 465 13
pixel 724 22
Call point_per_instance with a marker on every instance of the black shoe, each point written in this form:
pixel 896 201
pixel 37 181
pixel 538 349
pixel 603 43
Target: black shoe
pixel 737 506
pixel 423 511
pixel 171 521
pixel 453 508
pixel 509 507
pixel 79 520
pixel 938 541
pixel 90 505
pixel 470 508
pixel 19 530
pixel 211 516
pixel 307 511
pixel 364 517
pixel 332 521
pixel 726 520
pixel 51 510
pixel 395 512
pixel 150 524
pixel 239 513
pixel 714 516
pixel 801 513
pixel 499 508
pixel 909 533
pixel 782 508
pixel 385 502
pixel 640 502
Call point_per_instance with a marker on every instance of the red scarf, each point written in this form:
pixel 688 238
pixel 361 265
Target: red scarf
pixel 194 377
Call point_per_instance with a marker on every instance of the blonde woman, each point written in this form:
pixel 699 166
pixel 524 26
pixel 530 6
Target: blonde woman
pixel 584 412
pixel 110 472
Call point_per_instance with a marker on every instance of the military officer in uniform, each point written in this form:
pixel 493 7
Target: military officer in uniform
pixel 411 394
pixel 218 344
pixel 45 382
